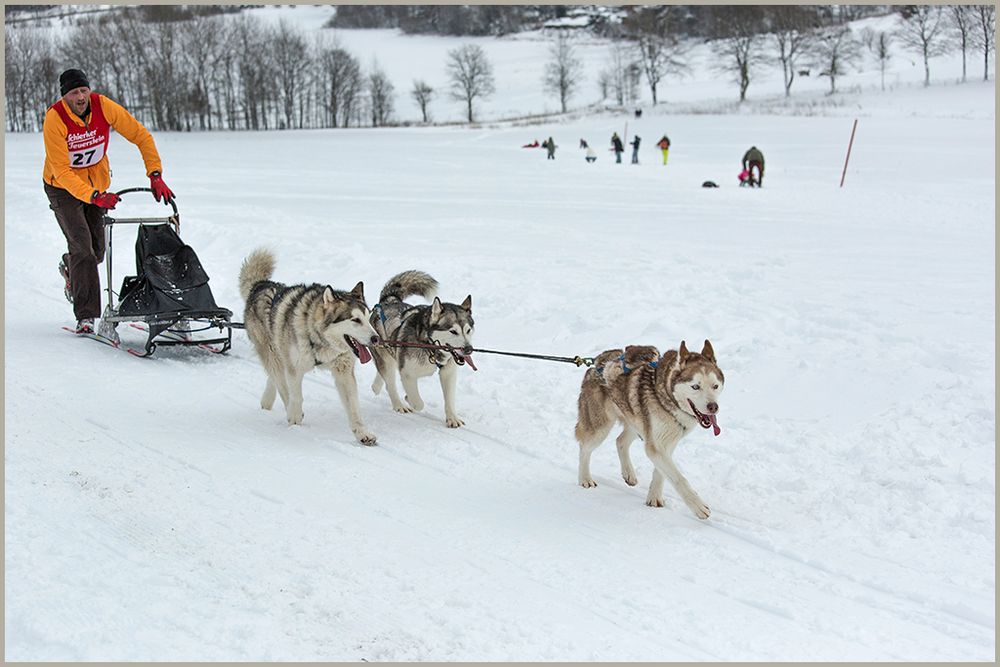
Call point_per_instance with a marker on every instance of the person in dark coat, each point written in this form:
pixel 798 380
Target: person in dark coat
pixel 635 149
pixel 550 146
pixel 618 147
pixel 753 158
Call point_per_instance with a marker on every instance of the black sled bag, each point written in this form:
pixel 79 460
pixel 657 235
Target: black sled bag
pixel 170 277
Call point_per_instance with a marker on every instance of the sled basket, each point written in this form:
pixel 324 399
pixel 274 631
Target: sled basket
pixel 169 292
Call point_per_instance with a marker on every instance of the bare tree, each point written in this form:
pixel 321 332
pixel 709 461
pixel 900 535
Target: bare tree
pixel 471 75
pixel 225 79
pixel 878 43
pixel 340 75
pixel 422 93
pixel 962 25
pixel 836 49
pixel 288 49
pixel 659 56
pixel 617 72
pixel 380 96
pixel 659 50
pixel 738 27
pixel 923 32
pixel 31 83
pixel 564 71
pixel 984 36
pixel 108 56
pixel 792 27
pixel 604 83
pixel 201 52
pixel 159 62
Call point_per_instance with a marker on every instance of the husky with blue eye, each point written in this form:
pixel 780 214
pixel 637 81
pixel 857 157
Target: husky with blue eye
pixel 439 323
pixel 659 399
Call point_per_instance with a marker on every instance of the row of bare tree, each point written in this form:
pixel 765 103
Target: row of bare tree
pixel 237 73
pixel 747 39
pixel 205 73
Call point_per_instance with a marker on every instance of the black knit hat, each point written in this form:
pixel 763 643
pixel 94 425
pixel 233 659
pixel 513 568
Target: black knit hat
pixel 72 79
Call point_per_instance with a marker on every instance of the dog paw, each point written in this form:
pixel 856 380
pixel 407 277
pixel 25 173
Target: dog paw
pixel 402 409
pixel 654 502
pixel 454 422
pixel 296 418
pixel 630 478
pixel 266 405
pixel 588 483
pixel 699 508
pixel 365 438
pixel 416 404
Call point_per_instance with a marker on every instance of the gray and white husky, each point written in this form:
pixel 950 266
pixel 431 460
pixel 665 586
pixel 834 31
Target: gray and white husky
pixel 296 328
pixel 438 323
pixel 659 399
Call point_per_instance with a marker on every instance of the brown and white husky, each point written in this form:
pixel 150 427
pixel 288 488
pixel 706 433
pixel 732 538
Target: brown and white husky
pixel 657 398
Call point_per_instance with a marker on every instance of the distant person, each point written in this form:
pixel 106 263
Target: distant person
pixel 76 177
pixel 751 159
pixel 664 145
pixel 531 145
pixel 617 147
pixel 638 113
pixel 591 154
pixel 583 143
pixel 635 149
pixel 550 146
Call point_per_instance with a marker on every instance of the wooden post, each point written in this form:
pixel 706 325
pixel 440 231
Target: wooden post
pixel 851 143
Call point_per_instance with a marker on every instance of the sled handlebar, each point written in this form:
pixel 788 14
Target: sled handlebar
pixel 126 191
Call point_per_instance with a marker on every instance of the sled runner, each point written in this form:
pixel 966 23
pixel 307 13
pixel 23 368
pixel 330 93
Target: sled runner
pixel 169 293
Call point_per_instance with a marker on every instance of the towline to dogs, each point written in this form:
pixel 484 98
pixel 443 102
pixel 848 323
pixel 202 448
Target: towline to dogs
pixel 578 360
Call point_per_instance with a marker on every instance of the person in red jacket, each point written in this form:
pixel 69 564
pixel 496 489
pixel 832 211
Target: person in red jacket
pixel 76 176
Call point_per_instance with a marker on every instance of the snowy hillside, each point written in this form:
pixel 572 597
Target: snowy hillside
pixel 518 61
pixel 155 512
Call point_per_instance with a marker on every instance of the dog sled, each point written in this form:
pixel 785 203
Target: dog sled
pixel 169 297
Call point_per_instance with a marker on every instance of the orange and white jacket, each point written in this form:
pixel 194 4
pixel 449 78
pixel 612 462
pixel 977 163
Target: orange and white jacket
pixel 82 183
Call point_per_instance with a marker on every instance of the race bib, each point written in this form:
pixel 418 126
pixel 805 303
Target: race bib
pixel 85 151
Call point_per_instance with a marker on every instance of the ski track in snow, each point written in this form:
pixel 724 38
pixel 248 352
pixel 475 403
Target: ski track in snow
pixel 155 512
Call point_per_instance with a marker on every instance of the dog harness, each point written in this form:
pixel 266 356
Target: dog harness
pixel 378 310
pixel 625 369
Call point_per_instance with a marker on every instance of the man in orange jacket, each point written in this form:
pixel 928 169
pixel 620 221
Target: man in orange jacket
pixel 76 174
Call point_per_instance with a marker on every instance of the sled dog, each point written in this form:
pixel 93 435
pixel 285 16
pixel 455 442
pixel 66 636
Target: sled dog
pixel 440 323
pixel 657 398
pixel 296 328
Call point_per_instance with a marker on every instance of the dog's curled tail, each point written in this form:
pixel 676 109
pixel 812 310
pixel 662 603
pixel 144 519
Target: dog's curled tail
pixel 258 266
pixel 592 405
pixel 409 283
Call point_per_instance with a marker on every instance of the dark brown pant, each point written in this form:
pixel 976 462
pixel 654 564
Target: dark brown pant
pixel 760 173
pixel 83 226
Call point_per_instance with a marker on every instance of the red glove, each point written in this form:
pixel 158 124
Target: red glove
pixel 105 199
pixel 160 188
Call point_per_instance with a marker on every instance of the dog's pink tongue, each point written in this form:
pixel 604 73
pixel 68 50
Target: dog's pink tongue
pixel 715 425
pixel 468 360
pixel 364 356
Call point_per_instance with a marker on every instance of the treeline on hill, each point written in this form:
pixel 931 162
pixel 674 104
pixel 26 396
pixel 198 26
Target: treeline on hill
pixel 199 67
pixel 460 20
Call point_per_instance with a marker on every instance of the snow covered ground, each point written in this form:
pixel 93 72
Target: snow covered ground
pixel 155 512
